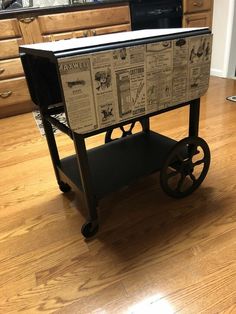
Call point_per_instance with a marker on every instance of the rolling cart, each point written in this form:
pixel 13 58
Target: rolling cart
pixel 115 81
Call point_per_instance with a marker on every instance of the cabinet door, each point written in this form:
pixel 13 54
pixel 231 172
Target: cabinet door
pixel 110 29
pixel 197 20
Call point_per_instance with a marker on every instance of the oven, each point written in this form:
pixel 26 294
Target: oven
pixel 156 14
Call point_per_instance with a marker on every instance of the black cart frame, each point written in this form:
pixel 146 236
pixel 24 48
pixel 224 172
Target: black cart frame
pixel 99 171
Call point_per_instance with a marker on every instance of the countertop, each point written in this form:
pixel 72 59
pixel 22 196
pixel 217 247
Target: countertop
pixel 4 14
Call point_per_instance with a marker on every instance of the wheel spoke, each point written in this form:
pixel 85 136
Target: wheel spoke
pixel 199 162
pixel 193 177
pixel 180 183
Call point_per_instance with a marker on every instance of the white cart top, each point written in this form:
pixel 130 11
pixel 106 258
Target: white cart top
pixel 86 42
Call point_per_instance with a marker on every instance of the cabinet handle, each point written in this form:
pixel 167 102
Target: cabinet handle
pixel 27 20
pixel 85 33
pixel 198 4
pixel 6 94
pixel 94 33
pixel 1 70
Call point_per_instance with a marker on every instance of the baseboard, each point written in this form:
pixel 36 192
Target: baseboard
pixel 216 72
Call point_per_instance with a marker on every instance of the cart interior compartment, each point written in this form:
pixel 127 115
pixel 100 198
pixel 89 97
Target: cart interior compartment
pixel 121 162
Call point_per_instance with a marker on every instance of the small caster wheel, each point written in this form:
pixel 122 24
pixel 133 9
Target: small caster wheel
pixel 89 229
pixel 185 167
pixel 64 187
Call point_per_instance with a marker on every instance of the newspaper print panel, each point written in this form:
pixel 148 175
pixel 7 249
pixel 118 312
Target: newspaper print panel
pixel 105 88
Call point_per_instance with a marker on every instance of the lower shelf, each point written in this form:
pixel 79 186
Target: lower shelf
pixel 120 162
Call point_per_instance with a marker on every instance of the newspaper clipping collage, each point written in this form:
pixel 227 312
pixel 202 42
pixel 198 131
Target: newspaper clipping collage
pixel 105 88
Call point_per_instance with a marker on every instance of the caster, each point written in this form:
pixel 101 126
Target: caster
pixel 64 187
pixel 89 229
pixel 186 167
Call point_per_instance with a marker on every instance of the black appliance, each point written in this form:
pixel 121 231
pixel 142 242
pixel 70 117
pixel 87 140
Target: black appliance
pixel 156 14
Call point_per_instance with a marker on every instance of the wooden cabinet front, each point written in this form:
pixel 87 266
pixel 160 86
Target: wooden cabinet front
pixel 87 32
pixel 14 97
pixel 198 20
pixel 64 36
pixel 84 19
pixel 9 28
pixel 11 68
pixel 198 13
pixel 10 48
pixel 110 29
pixel 30 30
pixel 192 6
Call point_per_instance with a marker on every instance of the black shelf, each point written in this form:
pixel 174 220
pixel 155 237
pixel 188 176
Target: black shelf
pixel 120 162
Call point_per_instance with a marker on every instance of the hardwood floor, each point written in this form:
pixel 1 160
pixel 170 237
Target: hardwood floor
pixel 153 254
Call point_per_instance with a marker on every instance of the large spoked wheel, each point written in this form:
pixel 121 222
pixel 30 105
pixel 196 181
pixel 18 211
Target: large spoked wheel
pixel 186 167
pixel 89 229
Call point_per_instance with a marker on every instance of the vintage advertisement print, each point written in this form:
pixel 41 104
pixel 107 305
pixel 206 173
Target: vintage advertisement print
pixel 77 87
pixel 129 73
pixel 159 62
pixel 105 88
pixel 199 65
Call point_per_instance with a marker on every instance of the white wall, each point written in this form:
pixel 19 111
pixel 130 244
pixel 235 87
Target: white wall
pixel 232 57
pixel 222 28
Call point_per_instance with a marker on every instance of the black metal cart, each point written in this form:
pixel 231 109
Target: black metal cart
pixel 101 170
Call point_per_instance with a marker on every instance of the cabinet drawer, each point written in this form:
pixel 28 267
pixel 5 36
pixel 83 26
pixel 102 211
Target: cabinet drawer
pixel 9 28
pixel 85 19
pixel 197 20
pixel 14 91
pixel 110 29
pixel 192 6
pixel 62 36
pixel 11 68
pixel 10 48
pixel 85 33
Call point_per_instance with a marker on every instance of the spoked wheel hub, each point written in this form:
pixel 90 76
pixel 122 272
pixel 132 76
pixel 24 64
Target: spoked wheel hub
pixel 185 167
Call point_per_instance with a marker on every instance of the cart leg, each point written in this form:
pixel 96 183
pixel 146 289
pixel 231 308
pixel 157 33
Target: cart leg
pixel 194 117
pixel 145 124
pixel 91 226
pixel 52 146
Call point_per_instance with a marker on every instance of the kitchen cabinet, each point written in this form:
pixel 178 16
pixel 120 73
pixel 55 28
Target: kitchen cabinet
pixel 14 94
pixel 198 13
pixel 34 27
